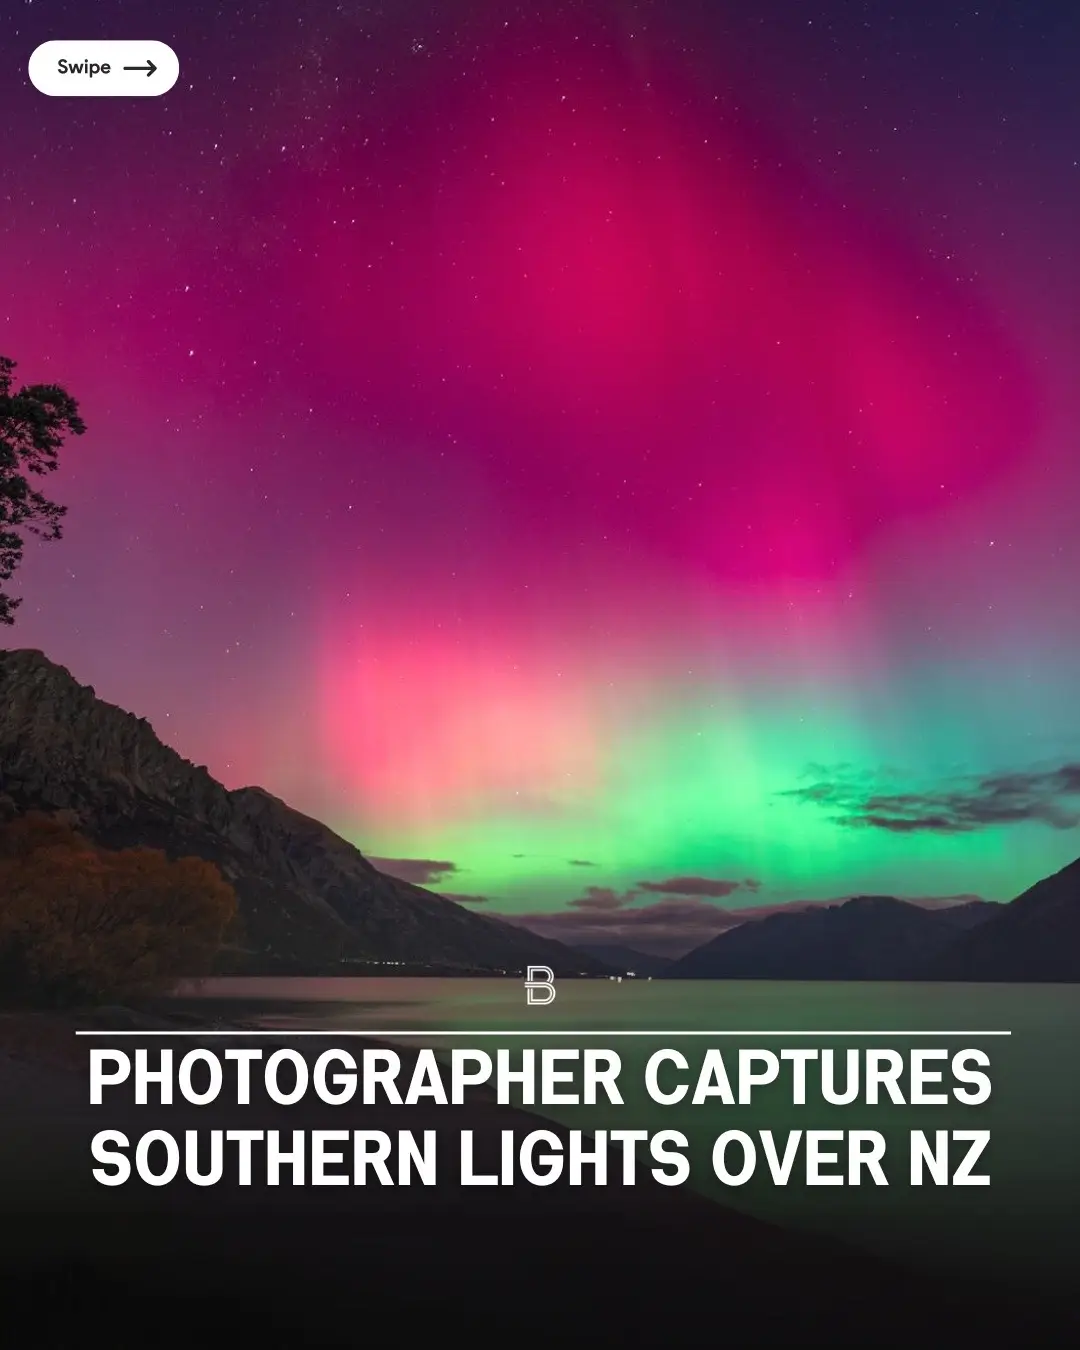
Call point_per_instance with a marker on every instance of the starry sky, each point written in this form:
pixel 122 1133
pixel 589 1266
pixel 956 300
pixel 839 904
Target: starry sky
pixel 615 463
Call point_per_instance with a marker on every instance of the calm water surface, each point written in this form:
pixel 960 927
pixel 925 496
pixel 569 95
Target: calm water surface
pixel 1025 1223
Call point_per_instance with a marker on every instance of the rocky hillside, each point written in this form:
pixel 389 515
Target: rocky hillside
pixel 310 902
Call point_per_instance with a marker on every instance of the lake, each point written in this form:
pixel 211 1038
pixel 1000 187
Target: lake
pixel 1025 1224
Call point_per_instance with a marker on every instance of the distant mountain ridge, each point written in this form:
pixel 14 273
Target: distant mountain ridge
pixel 1033 939
pixel 626 960
pixel 309 900
pixel 870 937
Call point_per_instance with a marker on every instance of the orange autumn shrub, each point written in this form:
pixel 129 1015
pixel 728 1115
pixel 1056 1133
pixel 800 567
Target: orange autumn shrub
pixel 80 923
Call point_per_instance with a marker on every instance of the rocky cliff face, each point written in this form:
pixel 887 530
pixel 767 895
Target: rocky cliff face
pixel 309 900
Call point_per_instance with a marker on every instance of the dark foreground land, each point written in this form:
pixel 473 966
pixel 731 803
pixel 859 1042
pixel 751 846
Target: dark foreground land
pixel 643 1265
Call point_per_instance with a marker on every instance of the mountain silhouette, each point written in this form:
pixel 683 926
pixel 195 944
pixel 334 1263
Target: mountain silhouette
pixel 871 937
pixel 1034 939
pixel 309 901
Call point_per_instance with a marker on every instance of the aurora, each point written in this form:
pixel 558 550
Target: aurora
pixel 617 489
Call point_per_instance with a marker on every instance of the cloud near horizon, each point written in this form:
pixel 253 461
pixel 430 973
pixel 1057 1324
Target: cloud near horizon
pixel 602 899
pixel 1048 796
pixel 606 899
pixel 466 899
pixel 418 871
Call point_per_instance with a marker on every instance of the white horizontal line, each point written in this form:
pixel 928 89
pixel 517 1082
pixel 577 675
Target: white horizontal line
pixel 374 1032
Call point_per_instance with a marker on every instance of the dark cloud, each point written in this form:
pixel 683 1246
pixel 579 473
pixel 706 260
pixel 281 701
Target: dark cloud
pixel 602 898
pixel 580 862
pixel 419 871
pixel 465 899
pixel 714 887
pixel 1049 796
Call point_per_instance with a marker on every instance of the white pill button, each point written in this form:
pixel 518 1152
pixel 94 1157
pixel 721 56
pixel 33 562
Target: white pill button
pixel 103 69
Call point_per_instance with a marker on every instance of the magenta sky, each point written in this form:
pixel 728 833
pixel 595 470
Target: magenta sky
pixel 544 449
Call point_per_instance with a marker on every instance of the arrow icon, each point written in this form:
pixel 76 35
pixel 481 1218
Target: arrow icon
pixel 149 68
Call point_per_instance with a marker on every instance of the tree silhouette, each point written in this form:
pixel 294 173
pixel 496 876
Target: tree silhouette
pixel 34 423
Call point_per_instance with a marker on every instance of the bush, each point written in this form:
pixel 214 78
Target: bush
pixel 79 923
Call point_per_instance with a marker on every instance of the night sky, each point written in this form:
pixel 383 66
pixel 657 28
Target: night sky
pixel 617 462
